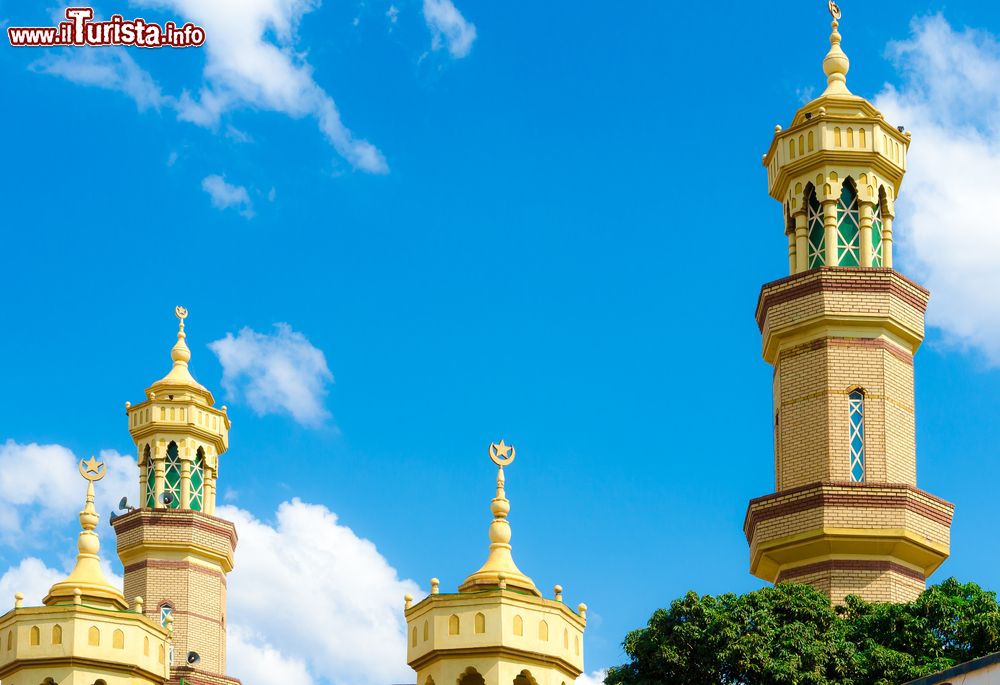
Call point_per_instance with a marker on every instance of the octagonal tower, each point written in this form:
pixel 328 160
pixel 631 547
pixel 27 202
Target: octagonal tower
pixel 841 332
pixel 497 629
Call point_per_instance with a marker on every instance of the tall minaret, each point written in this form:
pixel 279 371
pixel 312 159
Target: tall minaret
pixel 497 629
pixel 841 332
pixel 176 554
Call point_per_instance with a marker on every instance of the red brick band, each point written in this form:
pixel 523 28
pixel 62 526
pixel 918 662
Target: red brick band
pixel 834 565
pixel 172 517
pixel 824 279
pixel 175 565
pixel 863 495
pixel 872 343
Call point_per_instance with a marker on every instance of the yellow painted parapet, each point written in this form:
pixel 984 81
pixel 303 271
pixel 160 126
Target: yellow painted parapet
pixel 85 632
pixel 498 629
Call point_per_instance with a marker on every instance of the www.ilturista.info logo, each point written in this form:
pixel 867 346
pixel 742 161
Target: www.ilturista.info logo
pixel 80 30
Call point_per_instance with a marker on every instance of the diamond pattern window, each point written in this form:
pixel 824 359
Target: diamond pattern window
pixel 848 227
pixel 816 231
pixel 856 410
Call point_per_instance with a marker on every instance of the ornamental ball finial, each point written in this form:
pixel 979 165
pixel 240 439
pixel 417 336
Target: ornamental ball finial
pixel 18 600
pixel 407 601
pixel 502 581
pixel 435 586
pixel 558 592
pixel 581 608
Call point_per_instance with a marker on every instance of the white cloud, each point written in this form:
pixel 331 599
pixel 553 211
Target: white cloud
pixel 226 195
pixel 253 658
pixel 341 602
pixel 32 578
pixel 448 25
pixel 40 485
pixel 253 59
pixel 111 68
pixel 393 14
pixel 947 230
pixel 281 372
pixel 592 678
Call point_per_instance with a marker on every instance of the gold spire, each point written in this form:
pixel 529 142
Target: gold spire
pixel 500 571
pixel 835 64
pixel 181 355
pixel 87 580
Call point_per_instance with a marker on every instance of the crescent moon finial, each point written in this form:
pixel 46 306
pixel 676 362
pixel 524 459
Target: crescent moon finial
pixel 92 470
pixel 502 454
pixel 834 10
pixel 181 312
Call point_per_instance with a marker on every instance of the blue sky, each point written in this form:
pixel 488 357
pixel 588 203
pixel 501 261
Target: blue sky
pixel 545 222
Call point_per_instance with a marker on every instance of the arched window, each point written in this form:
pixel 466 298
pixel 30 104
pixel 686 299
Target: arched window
pixel 94 637
pixel 453 625
pixel 877 231
pixel 565 638
pixel 145 646
pixel 518 625
pixel 57 635
pixel 816 230
pixel 471 677
pixel 34 636
pixel 426 630
pixel 198 480
pixel 150 479
pixel 160 655
pixel 525 678
pixel 543 631
pixel 413 637
pixel 480 623
pixel 118 640
pixel 172 476
pixel 856 410
pixel 848 227
pixel 576 644
pixel 166 609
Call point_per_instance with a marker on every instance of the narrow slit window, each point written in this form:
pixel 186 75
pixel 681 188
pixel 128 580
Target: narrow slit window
pixel 817 232
pixel 856 410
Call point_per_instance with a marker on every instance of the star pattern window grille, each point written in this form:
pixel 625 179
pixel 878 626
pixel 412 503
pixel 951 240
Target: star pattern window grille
pixel 198 481
pixel 816 232
pixel 150 482
pixel 848 228
pixel 877 235
pixel 856 408
pixel 172 476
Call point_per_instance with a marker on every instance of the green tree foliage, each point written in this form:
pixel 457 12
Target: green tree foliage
pixel 790 635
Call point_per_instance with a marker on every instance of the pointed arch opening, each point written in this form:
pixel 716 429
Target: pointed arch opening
pixel 815 231
pixel 94 637
pixel 543 631
pixel 172 475
pixel 57 635
pixel 877 226
pixel 198 480
pixel 147 459
pixel 480 623
pixel 454 626
pixel 848 225
pixel 426 630
pixel 34 636
pixel 118 640
pixel 518 625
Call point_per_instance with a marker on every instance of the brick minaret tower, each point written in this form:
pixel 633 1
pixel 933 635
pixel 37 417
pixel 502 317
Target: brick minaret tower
pixel 841 332
pixel 176 554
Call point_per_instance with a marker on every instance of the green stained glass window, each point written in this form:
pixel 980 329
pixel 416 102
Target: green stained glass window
pixel 172 476
pixel 165 611
pixel 150 481
pixel 198 481
pixel 877 235
pixel 816 232
pixel 848 228
pixel 856 411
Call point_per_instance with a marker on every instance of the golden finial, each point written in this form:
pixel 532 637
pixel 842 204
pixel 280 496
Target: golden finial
pixel 835 64
pixel 500 569
pixel 92 470
pixel 501 454
pixel 181 314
